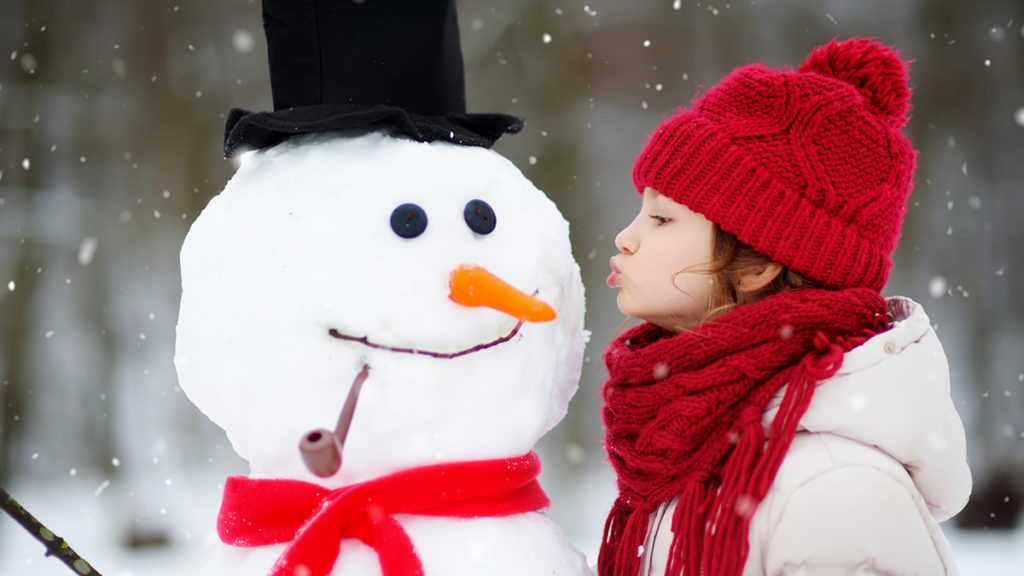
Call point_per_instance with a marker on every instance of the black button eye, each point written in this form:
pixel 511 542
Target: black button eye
pixel 408 220
pixel 480 217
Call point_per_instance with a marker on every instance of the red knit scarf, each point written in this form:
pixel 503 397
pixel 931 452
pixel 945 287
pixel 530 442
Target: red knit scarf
pixel 315 519
pixel 683 418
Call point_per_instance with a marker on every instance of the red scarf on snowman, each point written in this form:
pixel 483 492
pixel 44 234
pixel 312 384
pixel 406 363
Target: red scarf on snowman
pixel 314 519
pixel 683 418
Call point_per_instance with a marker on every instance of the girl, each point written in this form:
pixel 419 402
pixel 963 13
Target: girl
pixel 774 414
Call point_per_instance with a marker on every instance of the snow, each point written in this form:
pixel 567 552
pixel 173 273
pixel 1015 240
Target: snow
pixel 243 41
pixel 87 250
pixel 92 525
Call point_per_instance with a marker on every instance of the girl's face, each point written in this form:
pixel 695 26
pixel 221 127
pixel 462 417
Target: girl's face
pixel 663 269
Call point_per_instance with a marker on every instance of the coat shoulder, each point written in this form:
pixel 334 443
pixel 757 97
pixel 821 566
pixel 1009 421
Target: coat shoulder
pixel 839 504
pixel 812 455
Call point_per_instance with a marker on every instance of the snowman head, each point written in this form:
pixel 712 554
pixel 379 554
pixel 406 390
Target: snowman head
pixel 328 253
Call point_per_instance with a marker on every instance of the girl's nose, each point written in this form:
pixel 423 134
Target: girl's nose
pixel 625 240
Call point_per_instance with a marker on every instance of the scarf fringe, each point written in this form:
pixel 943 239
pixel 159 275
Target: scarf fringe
pixel 688 526
pixel 622 546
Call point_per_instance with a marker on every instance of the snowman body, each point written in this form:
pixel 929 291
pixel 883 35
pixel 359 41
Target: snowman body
pixel 522 544
pixel 294 279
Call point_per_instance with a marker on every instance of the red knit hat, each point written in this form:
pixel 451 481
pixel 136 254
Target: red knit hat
pixel 809 168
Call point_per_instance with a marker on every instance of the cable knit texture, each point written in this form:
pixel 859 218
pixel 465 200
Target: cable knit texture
pixel 808 167
pixel 683 418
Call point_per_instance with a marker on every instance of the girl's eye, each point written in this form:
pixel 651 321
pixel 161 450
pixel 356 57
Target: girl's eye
pixel 660 219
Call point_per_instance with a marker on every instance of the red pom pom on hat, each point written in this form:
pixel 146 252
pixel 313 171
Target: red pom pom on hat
pixel 875 70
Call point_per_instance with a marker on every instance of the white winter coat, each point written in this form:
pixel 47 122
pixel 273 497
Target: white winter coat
pixel 879 459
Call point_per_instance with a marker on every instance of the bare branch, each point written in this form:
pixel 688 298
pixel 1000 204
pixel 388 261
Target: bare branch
pixel 55 545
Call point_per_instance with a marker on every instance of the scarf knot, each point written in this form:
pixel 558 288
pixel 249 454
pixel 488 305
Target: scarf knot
pixel 313 520
pixel 683 419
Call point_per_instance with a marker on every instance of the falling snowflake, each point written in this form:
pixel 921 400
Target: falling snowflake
pixel 29 63
pixel 858 402
pixel 243 41
pixel 101 488
pixel 745 505
pixel 575 454
pixel 661 371
pixel 87 250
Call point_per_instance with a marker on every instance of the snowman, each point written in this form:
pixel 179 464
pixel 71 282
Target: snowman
pixel 382 313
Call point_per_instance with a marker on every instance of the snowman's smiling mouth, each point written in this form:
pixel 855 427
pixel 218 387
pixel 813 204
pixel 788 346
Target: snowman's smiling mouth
pixel 365 341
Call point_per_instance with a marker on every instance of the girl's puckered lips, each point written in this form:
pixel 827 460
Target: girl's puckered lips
pixel 613 278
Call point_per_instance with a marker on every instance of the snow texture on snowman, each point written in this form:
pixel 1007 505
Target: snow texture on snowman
pixel 382 313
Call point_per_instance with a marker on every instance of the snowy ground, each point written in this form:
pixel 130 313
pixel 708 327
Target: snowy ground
pixel 92 517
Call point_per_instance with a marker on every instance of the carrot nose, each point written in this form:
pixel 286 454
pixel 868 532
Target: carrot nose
pixel 472 285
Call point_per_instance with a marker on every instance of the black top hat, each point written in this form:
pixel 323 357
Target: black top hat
pixel 340 64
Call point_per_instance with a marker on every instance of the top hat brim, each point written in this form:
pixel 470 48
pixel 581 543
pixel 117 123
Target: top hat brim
pixel 245 130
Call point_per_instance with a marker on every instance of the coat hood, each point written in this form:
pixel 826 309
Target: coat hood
pixel 893 393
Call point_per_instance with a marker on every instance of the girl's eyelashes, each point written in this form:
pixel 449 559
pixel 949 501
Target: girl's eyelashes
pixel 660 219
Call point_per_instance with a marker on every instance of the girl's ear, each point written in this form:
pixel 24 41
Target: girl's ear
pixel 757 277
